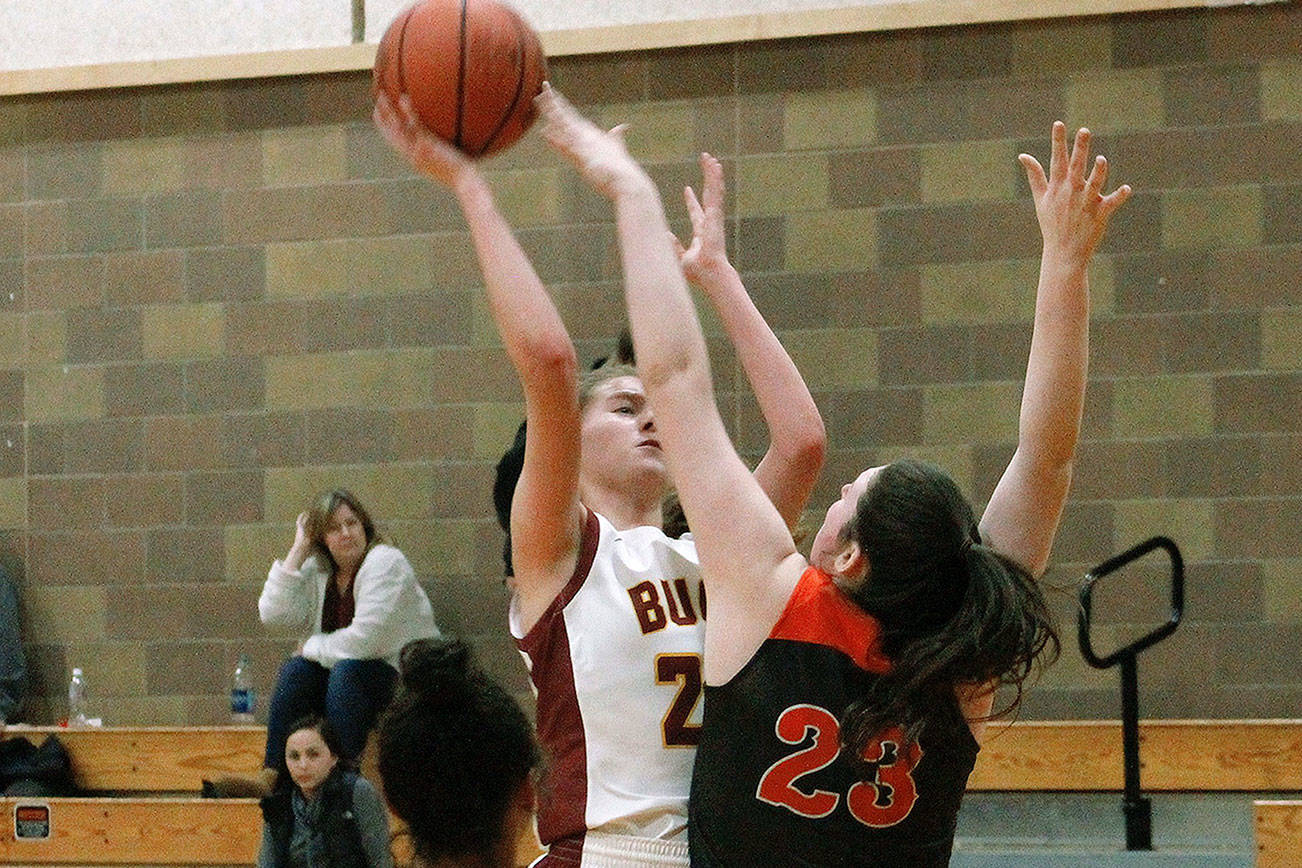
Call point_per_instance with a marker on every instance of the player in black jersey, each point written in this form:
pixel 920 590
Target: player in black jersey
pixel 846 696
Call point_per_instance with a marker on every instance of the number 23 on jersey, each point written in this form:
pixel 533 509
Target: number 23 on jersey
pixel 883 799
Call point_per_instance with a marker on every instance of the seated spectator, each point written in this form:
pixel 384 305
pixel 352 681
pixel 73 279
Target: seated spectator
pixel 358 599
pixel 13 668
pixel 325 815
pixel 457 760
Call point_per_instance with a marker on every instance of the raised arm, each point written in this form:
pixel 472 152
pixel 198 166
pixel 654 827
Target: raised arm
pixel 747 555
pixel 797 438
pixel 545 512
pixel 1023 513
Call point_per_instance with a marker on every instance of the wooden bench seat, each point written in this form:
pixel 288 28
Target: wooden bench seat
pixel 153 774
pixel 1278 827
pixel 138 831
pixel 1176 755
pixel 160 759
pixel 1192 755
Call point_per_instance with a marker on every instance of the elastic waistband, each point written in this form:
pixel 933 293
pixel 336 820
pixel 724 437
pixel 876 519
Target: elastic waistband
pixel 603 850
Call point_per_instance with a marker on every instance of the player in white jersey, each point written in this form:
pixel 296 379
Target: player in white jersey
pixel 606 608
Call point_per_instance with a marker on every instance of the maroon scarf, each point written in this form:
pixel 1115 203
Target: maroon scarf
pixel 337 610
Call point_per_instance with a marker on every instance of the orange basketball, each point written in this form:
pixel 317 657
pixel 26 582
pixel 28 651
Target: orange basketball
pixel 471 68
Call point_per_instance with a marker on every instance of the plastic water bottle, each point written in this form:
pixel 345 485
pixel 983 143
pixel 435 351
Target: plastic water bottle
pixel 243 696
pixel 77 699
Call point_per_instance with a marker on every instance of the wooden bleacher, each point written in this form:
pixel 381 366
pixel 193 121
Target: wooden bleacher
pixel 150 777
pixel 1177 755
pixel 159 759
pixel 145 810
pixel 1279 833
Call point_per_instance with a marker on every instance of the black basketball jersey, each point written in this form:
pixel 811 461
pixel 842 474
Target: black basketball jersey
pixel 771 784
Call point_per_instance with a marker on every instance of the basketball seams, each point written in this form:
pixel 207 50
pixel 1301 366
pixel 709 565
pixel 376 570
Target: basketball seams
pixel 522 45
pixel 461 77
pixel 398 49
pixel 470 67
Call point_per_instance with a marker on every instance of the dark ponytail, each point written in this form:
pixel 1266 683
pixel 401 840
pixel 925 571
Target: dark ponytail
pixel 953 611
pixel 454 750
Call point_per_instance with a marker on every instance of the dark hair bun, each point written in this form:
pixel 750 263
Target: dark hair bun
pixel 439 670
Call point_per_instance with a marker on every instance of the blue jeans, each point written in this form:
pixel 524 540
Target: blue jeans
pixel 350 695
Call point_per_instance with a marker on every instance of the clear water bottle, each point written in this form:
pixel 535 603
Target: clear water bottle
pixel 77 699
pixel 243 696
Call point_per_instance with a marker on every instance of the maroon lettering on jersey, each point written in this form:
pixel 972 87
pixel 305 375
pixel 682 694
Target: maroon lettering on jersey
pixel 646 605
pixel 679 601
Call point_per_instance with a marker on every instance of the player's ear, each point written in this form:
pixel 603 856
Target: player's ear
pixel 851 562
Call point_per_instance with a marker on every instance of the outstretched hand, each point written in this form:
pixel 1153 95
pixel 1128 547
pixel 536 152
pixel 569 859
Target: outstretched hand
pixel 600 156
pixel 427 153
pixel 1072 209
pixel 708 252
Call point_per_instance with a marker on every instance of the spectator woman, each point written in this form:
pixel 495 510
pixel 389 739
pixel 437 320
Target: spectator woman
pixel 358 599
pixel 325 815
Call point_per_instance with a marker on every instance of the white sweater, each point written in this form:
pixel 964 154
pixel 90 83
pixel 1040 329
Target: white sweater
pixel 391 608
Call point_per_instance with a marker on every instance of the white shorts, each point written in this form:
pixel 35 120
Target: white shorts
pixel 603 850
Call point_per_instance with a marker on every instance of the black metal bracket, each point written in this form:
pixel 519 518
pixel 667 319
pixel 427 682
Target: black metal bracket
pixel 1137 809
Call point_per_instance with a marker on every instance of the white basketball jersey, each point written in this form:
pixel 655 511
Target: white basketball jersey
pixel 616 665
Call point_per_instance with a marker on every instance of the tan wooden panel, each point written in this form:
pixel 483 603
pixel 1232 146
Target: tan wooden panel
pixel 743 27
pixel 1249 755
pixel 1256 755
pixel 1279 834
pixel 159 759
pixel 127 831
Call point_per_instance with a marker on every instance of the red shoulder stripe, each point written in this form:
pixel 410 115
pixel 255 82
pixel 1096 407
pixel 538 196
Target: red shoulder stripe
pixel 821 614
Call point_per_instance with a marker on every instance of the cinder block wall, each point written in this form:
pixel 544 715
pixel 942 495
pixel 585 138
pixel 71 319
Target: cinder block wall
pixel 217 299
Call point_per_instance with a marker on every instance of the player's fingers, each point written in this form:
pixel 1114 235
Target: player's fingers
pixel 694 210
pixel 1098 178
pixel 1079 155
pixel 679 250
pixel 1034 174
pixel 1058 151
pixel 1114 200
pixel 712 173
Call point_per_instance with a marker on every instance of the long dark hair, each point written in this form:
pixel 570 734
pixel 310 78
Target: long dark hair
pixel 953 611
pixel 322 727
pixel 454 749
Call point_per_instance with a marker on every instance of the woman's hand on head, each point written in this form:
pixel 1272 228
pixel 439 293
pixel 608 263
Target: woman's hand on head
pixel 600 155
pixel 708 251
pixel 427 153
pixel 1072 210
pixel 302 546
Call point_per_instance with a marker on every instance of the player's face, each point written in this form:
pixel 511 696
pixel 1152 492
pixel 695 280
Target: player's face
pixel 829 540
pixel 619 432
pixel 309 759
pixel 345 536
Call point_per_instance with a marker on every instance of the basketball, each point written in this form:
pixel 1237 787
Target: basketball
pixel 470 67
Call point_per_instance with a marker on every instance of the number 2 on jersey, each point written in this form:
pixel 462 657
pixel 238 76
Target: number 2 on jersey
pixel 685 671
pixel 882 800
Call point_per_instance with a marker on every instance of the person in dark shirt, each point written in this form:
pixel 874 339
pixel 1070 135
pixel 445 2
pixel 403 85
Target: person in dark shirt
pixel 13 666
pixel 847 694
pixel 458 759
pixel 324 814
